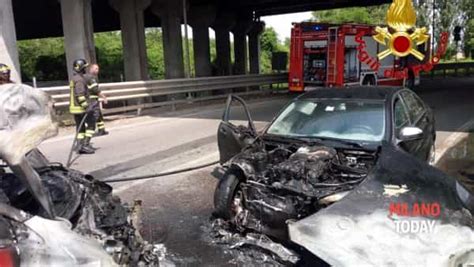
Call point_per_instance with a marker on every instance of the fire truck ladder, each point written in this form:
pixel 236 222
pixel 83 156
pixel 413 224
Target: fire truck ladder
pixel 332 56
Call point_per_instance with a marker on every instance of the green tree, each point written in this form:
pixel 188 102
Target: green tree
pixel 469 38
pixel 269 40
pixel 154 46
pixel 51 68
pixel 364 15
pixel 191 57
pixel 447 15
pixel 269 43
pixel 109 55
pixel 423 14
pixel 287 43
pixel 468 7
pixel 43 59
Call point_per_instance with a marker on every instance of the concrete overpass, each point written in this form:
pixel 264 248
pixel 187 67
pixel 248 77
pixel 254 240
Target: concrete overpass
pixel 77 20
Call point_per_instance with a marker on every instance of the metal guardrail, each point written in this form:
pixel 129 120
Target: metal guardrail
pixel 455 67
pixel 141 90
pixel 144 91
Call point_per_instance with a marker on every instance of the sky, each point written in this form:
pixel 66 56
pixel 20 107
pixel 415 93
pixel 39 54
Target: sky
pixel 282 23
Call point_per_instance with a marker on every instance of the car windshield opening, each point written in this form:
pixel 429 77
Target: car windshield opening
pixel 355 120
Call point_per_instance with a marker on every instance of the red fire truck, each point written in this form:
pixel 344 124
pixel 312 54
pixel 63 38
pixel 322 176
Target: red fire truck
pixel 327 55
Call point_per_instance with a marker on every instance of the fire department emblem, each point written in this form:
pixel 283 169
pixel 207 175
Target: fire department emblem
pixel 402 36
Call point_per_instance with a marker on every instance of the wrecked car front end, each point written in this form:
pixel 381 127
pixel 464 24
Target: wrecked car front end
pixel 36 241
pixel 283 184
pixel 392 209
pixel 347 203
pixel 390 219
pixel 51 215
pixel 272 179
pixel 91 225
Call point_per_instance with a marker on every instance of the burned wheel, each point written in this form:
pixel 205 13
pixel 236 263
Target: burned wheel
pixel 226 196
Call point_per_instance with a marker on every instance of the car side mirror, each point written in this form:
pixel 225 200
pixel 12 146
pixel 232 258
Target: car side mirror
pixel 410 134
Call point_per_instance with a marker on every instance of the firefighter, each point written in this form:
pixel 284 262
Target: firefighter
pixel 95 93
pixel 80 106
pixel 4 74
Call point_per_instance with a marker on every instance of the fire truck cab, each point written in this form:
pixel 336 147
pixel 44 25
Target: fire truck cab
pixel 327 55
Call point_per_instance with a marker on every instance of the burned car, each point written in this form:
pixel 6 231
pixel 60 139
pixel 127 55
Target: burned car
pixel 356 150
pixel 51 215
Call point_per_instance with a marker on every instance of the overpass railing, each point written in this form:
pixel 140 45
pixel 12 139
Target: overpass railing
pixel 456 69
pixel 140 95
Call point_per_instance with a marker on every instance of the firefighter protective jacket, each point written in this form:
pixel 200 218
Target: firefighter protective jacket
pixel 79 95
pixel 93 86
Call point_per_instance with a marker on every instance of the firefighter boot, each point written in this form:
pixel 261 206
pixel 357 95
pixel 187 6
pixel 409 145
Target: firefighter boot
pixel 87 143
pixel 77 145
pixel 85 147
pixel 102 132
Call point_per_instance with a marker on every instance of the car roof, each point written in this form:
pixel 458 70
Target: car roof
pixel 356 92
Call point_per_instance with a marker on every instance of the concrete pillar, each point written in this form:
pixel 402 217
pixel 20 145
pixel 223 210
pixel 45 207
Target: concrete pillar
pixel 254 46
pixel 240 31
pixel 8 47
pixel 200 19
pixel 133 37
pixel 222 25
pixel 78 31
pixel 170 13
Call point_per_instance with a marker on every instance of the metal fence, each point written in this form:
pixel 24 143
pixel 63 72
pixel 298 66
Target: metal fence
pixel 129 96
pixel 455 69
pixel 148 94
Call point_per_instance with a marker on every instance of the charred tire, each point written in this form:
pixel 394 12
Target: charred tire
pixel 224 195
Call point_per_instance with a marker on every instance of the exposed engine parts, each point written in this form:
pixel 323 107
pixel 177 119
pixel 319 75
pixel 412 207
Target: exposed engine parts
pixel 90 207
pixel 280 184
pixel 250 249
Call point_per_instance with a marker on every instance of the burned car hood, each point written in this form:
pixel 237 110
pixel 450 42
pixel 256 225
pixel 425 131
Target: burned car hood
pixel 25 120
pixel 359 229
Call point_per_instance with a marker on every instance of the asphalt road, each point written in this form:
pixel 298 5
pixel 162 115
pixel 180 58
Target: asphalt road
pixel 178 207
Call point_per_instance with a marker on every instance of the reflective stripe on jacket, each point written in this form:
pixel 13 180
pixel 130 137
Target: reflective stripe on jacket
pixel 79 95
pixel 93 86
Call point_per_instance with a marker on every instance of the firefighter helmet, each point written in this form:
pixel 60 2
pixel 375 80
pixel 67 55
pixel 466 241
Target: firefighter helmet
pixel 4 74
pixel 4 69
pixel 79 65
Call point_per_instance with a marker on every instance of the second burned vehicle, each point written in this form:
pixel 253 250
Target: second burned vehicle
pixel 314 153
pixel 51 215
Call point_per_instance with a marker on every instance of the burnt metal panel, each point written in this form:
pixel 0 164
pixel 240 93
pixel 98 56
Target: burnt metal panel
pixel 359 230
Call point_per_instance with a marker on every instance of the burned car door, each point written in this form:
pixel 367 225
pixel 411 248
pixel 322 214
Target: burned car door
pixel 400 121
pixel 232 138
pixel 424 122
pixel 419 119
